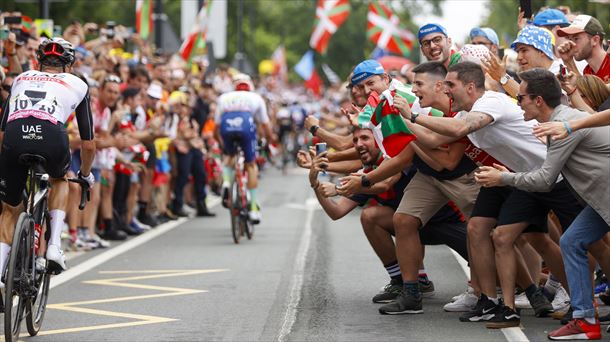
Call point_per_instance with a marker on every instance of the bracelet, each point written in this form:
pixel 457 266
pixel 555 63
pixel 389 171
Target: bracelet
pixel 573 91
pixel 316 186
pixel 313 129
pixel 567 127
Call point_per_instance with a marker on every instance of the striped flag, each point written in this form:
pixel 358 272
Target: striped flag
pixel 385 31
pixel 330 14
pixel 144 21
pixel 279 60
pixel 332 76
pixel 195 42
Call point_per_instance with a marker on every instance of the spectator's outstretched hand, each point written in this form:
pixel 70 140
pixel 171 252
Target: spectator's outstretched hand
pixel 350 185
pixel 303 159
pixel 310 121
pixel 403 106
pixel 489 176
pixel 521 19
pixel 568 82
pixel 556 130
pixel 328 189
pixel 494 67
pixel 320 161
pixel 351 113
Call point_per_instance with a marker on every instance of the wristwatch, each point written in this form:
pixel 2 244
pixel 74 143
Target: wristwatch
pixel 504 79
pixel 313 129
pixel 365 182
pixel 414 117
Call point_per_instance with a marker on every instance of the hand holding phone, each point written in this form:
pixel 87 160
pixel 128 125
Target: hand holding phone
pixel 563 71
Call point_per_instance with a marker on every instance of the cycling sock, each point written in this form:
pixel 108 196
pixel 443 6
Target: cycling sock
pixel 57 224
pixel 423 276
pixel 5 251
pixel 253 206
pixel 393 270
pixel 228 173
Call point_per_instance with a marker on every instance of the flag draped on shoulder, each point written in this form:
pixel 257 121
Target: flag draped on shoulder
pixel 381 113
pixel 195 42
pixel 330 14
pixel 144 22
pixel 385 31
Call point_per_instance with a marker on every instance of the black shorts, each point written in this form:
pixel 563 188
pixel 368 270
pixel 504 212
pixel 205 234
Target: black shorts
pixel 33 136
pixel 151 162
pixel 450 232
pixel 511 206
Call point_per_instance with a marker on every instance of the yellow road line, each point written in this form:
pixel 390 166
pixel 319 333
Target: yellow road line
pixel 121 282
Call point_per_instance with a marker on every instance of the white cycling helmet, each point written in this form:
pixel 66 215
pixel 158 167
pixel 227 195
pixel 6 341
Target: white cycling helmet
pixel 243 82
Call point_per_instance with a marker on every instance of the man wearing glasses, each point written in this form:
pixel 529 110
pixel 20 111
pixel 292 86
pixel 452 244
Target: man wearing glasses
pixel 435 45
pixel 485 36
pixel 494 123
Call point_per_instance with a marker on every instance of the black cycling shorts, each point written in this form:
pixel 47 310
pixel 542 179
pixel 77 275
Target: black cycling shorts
pixel 32 136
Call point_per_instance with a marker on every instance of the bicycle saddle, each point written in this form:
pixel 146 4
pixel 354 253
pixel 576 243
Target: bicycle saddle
pixel 32 159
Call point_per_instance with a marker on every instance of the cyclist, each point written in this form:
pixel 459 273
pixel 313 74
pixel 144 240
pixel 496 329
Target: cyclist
pixel 39 104
pixel 235 124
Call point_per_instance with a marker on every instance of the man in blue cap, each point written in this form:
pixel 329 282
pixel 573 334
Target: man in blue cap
pixel 435 44
pixel 485 36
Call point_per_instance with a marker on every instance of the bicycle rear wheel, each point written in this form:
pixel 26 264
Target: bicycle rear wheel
pixel 235 212
pixel 16 278
pixel 36 306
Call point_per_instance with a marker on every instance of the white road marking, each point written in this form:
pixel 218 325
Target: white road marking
pixel 97 260
pixel 299 269
pixel 514 334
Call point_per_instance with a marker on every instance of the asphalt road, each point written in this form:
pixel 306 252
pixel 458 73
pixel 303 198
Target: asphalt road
pixel 302 278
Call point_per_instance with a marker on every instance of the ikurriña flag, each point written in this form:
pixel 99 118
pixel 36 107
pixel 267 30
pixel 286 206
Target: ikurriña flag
pixel 330 14
pixel 385 31
pixel 144 22
pixel 195 41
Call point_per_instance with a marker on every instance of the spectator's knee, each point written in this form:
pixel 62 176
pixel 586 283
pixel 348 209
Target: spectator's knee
pixel 404 223
pixel 501 239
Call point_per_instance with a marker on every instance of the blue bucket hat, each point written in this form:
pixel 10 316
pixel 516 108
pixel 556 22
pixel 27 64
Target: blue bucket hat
pixel 486 33
pixel 430 28
pixel 551 17
pixel 538 37
pixel 365 70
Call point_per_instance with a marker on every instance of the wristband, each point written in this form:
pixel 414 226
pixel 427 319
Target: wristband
pixel 573 91
pixel 567 127
pixel 313 129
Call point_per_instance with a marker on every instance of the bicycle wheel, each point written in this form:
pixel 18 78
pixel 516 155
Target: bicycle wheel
pixel 249 229
pixel 37 305
pixel 16 278
pixel 235 212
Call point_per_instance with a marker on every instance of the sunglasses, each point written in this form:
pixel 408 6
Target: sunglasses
pixel 520 97
pixel 113 79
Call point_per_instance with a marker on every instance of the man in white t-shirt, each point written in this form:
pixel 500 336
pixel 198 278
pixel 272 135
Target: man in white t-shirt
pixel 494 123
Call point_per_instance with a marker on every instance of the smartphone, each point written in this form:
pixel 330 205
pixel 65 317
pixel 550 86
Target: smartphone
pixel 526 6
pixel 320 148
pixel 57 30
pixel 562 72
pixel 4 31
pixel 12 20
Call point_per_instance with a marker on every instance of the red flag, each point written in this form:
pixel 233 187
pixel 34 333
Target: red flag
pixel 314 83
pixel 384 30
pixel 330 14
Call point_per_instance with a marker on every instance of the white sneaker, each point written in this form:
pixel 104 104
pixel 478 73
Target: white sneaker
pixel 561 300
pixel 57 256
pixel 255 216
pixel 521 301
pixel 468 290
pixel 463 303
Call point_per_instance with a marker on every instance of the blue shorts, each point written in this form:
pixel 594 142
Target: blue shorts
pixel 238 128
pixel 75 166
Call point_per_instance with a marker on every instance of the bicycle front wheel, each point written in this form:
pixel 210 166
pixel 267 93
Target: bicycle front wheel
pixel 16 278
pixel 36 306
pixel 235 212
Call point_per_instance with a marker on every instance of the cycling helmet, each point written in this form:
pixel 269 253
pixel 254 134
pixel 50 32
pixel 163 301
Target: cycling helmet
pixel 243 82
pixel 58 47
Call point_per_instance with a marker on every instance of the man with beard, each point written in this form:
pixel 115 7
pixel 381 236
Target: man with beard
pixel 435 45
pixel 493 122
pixel 445 227
pixel 586 36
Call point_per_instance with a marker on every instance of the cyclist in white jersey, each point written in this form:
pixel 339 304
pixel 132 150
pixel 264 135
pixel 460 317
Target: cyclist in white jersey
pixel 236 114
pixel 39 104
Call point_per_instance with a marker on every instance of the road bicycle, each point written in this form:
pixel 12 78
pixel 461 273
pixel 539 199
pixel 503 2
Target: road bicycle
pixel 239 201
pixel 27 275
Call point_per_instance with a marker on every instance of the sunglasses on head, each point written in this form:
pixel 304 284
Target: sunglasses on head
pixel 113 79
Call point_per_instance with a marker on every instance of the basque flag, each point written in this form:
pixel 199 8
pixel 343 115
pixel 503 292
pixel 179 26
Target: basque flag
pixel 307 70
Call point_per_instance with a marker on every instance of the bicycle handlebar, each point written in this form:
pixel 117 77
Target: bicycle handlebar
pixel 85 195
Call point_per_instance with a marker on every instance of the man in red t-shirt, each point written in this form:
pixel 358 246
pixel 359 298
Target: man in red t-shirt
pixel 586 36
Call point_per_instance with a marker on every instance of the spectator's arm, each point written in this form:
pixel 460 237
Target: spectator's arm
pixel 348 154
